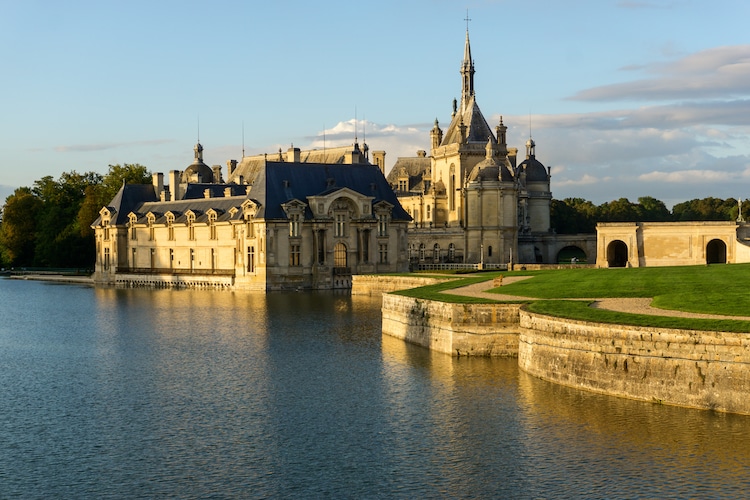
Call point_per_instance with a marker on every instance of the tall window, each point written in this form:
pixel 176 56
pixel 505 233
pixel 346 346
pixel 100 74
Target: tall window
pixel 436 252
pixel 191 227
pixel 151 229
pixel 105 225
pixel 152 259
pixel 451 252
pixel 366 245
pixel 294 223
pixel 428 212
pixel 171 258
pixel 339 255
pixel 170 227
pixel 132 262
pixel 294 254
pixel 249 229
pixel 251 259
pixel 340 228
pixel 212 226
pixel 382 224
pixel 106 258
pixel 192 258
pixel 384 253
pixel 421 251
pixel 133 234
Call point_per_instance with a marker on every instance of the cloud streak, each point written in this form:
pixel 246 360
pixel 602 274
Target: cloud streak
pixel 103 146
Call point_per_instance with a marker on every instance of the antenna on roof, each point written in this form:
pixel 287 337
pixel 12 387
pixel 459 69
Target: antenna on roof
pixel 355 124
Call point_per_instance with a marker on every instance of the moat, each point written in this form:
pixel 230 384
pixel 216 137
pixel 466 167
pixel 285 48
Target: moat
pixel 192 393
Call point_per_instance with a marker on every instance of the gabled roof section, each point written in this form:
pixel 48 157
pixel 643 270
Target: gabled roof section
pixel 281 182
pixel 477 128
pixel 127 199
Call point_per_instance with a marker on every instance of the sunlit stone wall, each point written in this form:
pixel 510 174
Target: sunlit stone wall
pixel 456 329
pixel 696 369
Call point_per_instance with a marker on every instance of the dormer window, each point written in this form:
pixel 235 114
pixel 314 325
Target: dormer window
pixel 131 227
pixel 170 227
pixel 105 229
pixel 191 226
pixel 339 229
pixel 151 220
pixel 382 224
pixel 294 225
pixel 212 225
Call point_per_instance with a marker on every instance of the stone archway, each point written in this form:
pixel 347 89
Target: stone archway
pixel 617 254
pixel 570 252
pixel 716 252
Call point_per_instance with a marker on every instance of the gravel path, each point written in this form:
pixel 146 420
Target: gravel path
pixel 636 306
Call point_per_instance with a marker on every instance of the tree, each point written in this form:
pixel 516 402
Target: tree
pixel 653 210
pixel 705 209
pixel 19 229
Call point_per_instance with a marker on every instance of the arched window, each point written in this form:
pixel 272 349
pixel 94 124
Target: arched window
pixel 436 253
pixel 451 252
pixel 339 255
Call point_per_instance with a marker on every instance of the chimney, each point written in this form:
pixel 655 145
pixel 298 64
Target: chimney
pixel 231 165
pixel 293 155
pixel 217 174
pixel 379 157
pixel 206 193
pixel 174 184
pixel 158 180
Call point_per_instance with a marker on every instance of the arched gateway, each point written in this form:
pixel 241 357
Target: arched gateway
pixel 617 254
pixel 716 252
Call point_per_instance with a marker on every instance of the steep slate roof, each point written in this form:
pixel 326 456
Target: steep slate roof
pixel 127 198
pixel 414 167
pixel 477 128
pixel 199 205
pixel 281 182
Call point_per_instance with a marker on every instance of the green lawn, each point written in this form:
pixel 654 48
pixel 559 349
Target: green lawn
pixel 716 289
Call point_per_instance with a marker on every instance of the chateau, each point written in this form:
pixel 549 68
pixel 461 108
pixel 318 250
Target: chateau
pixel 470 198
pixel 312 219
pixel 293 222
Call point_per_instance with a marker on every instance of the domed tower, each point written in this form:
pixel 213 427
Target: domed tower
pixel 491 196
pixel 535 191
pixel 198 172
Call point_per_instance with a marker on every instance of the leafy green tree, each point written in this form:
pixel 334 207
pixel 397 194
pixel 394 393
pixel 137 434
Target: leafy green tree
pixel 653 210
pixel 59 242
pixel 621 210
pixel 19 228
pixel 573 215
pixel 705 209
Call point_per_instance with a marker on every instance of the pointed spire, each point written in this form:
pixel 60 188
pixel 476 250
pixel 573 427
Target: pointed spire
pixel 467 69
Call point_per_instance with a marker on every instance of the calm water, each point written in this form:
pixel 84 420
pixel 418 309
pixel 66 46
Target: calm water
pixel 140 393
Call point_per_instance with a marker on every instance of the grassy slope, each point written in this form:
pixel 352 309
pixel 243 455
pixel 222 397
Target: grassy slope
pixel 717 289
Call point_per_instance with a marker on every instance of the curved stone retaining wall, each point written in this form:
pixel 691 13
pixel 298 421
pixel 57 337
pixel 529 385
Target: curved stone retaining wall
pixel 697 369
pixel 456 329
pixel 373 284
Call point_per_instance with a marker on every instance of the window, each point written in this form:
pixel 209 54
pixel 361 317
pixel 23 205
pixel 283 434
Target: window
pixel 428 212
pixel 384 253
pixel 339 255
pixel 153 259
pixel 382 224
pixel 294 220
pixel 366 245
pixel 403 184
pixel 294 254
pixel 436 253
pixel 133 234
pixel 192 258
pixel 421 251
pixel 151 229
pixel 106 258
pixel 489 251
pixel 191 227
pixel 340 228
pixel 170 227
pixel 212 226
pixel 251 259
pixel 171 258
pixel 133 261
pixel 451 252
pixel 105 225
pixel 249 229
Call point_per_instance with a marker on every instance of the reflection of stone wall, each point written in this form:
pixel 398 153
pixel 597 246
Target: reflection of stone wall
pixel 688 368
pixel 456 329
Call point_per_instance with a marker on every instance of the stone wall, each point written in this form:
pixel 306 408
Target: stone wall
pixel 696 369
pixel 455 329
pixel 377 284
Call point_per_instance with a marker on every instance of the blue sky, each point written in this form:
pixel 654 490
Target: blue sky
pixel 623 98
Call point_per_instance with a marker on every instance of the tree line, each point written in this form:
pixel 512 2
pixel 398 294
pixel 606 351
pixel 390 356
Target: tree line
pixel 576 215
pixel 49 224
